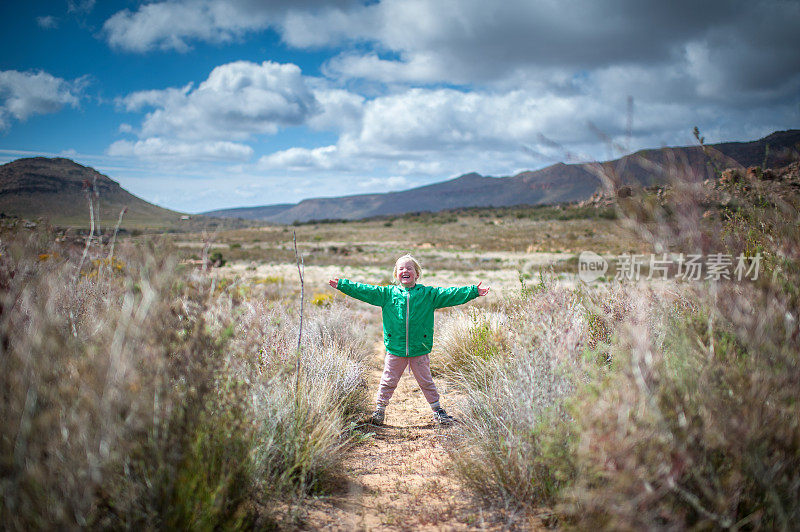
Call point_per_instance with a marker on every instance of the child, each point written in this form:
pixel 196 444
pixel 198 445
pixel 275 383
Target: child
pixel 408 328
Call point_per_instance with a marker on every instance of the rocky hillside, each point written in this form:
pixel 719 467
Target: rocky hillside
pixel 58 190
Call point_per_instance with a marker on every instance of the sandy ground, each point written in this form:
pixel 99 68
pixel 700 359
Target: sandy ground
pixel 398 475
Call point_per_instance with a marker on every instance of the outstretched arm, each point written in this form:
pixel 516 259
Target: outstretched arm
pixel 368 293
pixel 449 297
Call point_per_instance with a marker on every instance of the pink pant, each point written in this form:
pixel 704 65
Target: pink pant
pixel 393 369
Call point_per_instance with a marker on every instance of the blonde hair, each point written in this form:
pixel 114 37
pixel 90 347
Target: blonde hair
pixel 417 267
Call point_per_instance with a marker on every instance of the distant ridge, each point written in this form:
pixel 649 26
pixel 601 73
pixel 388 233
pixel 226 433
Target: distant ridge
pixel 251 213
pixel 54 189
pixel 558 183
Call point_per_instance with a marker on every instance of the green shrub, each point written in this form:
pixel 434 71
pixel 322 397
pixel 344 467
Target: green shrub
pixel 215 258
pixel 467 341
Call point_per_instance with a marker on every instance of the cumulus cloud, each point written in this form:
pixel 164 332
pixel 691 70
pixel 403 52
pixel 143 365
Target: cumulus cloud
pixel 154 98
pixel 473 41
pixel 427 130
pixel 421 68
pixel 303 159
pixel 170 150
pixel 743 46
pixel 24 94
pixel 436 87
pixel 443 132
pixel 237 100
pixel 339 110
pixel 427 120
pixel 174 25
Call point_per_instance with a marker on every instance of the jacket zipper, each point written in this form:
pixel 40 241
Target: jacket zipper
pixel 408 311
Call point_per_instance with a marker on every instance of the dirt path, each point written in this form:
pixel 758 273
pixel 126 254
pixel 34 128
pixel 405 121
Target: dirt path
pixel 399 478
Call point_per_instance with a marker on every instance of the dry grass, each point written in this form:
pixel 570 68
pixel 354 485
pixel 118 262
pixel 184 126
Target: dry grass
pixel 640 409
pixel 698 426
pixel 444 241
pixel 141 393
pixel 135 395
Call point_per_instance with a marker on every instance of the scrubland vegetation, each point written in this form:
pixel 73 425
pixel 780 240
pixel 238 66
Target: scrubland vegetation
pixel 444 240
pixel 138 391
pixel 137 394
pixel 631 407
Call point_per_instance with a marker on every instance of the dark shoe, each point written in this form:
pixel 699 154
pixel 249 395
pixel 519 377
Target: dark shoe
pixel 442 417
pixel 377 417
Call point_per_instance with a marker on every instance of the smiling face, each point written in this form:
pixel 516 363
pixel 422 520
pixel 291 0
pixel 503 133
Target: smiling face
pixel 406 272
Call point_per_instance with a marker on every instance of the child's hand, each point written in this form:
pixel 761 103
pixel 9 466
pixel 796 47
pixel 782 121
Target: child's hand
pixel 334 282
pixel 482 291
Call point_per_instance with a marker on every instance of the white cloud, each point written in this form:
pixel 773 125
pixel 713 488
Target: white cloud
pixel 444 132
pixel 47 22
pixel 472 41
pixel 424 131
pixel 523 71
pixel 237 100
pixel 749 48
pixel 386 183
pixel 154 98
pixel 331 26
pixel 175 24
pixel 302 159
pixel 172 25
pixel 24 94
pixel 433 167
pixel 428 121
pixel 421 68
pixel 159 149
pixel 339 110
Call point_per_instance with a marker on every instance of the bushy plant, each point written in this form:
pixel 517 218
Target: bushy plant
pixel 144 396
pixel 468 340
pixel 698 427
pixel 517 440
pixel 669 407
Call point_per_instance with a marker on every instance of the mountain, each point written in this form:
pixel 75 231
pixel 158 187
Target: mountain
pixel 251 213
pixel 56 189
pixel 776 149
pixel 554 184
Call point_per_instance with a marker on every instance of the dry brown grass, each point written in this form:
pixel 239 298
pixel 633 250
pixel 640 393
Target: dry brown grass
pixel 135 395
pixel 666 409
pixel 443 241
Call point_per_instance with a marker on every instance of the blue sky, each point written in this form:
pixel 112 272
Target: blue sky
pixel 196 104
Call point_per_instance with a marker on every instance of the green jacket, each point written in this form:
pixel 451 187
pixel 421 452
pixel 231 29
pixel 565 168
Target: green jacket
pixel 408 313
